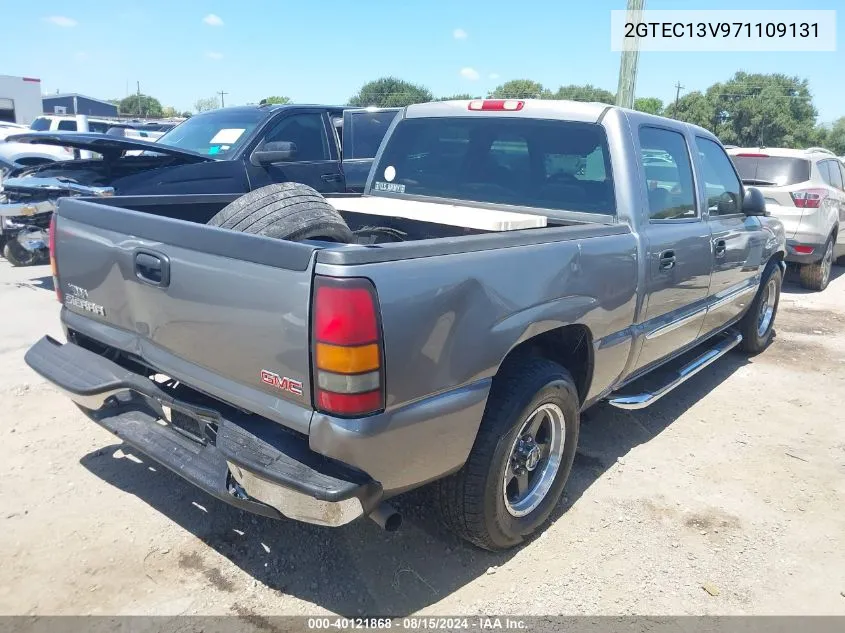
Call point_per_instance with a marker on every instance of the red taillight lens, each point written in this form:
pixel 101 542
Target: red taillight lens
pixel 53 267
pixel 809 198
pixel 496 105
pixel 347 347
pixel 803 250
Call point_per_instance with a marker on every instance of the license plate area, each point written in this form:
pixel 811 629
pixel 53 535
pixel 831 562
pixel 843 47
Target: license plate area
pixel 195 429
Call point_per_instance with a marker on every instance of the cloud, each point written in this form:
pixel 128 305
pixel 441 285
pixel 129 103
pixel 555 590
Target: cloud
pixel 81 56
pixel 213 20
pixel 469 73
pixel 214 55
pixel 460 34
pixel 494 75
pixel 62 21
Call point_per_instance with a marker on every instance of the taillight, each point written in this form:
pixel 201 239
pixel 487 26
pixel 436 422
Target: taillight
pixel 507 105
pixel 802 249
pixel 347 347
pixel 809 198
pixel 53 267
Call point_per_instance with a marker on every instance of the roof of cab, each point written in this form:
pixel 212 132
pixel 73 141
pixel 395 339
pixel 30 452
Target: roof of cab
pixel 533 109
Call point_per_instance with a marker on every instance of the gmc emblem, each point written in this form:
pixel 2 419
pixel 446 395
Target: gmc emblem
pixel 281 382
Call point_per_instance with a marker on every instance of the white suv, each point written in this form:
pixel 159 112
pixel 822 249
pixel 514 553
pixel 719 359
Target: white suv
pixel 805 189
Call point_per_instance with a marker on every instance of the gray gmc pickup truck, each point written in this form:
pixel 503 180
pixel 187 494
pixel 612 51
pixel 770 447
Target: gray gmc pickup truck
pixel 510 264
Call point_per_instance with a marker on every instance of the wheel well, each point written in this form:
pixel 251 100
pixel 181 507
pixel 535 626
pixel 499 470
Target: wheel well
pixel 570 346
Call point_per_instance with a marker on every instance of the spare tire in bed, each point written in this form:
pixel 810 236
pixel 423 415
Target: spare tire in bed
pixel 287 211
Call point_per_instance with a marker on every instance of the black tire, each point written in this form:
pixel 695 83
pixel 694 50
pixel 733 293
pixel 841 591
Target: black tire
pixel 817 276
pixel 286 211
pixel 17 255
pixel 754 340
pixel 471 502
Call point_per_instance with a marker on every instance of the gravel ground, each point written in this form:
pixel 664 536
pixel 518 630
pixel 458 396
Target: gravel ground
pixel 726 497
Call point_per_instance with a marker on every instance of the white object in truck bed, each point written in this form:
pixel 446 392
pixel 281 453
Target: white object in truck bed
pixel 441 213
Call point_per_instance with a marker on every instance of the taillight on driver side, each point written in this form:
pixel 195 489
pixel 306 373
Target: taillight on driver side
pixel 809 198
pixel 54 270
pixel 347 347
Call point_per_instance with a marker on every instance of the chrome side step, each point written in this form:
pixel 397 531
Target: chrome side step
pixel 642 400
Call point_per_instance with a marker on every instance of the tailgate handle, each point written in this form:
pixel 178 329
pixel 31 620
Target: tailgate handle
pixel 152 268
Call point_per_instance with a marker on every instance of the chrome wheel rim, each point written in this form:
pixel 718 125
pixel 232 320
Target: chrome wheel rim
pixel 767 307
pixel 534 460
pixel 827 263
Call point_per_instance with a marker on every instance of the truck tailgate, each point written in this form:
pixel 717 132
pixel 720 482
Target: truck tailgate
pixel 230 308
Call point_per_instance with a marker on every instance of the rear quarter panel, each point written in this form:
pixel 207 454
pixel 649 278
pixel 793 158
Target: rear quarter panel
pixel 450 320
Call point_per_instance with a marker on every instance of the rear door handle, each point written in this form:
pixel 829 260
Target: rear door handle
pixel 719 248
pixel 667 260
pixel 331 177
pixel 152 268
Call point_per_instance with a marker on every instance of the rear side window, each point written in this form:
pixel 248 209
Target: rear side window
pixel 835 174
pixel 771 171
pixel 40 124
pixel 96 126
pixel 668 174
pixel 562 165
pixel 365 133
pixel 66 125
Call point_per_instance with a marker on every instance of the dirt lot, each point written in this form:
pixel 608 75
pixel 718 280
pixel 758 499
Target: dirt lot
pixel 726 497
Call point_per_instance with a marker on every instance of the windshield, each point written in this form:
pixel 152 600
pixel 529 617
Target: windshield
pixel 40 124
pixel 524 162
pixel 776 171
pixel 216 133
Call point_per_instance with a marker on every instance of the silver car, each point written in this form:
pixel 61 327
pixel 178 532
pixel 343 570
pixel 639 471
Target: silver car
pixel 805 189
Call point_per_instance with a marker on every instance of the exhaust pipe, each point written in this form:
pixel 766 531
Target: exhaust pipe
pixel 387 517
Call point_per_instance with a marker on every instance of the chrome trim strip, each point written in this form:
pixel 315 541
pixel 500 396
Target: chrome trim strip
pixel 732 297
pixel 642 400
pixel 674 325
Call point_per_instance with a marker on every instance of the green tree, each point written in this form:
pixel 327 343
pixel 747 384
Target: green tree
pixel 834 138
pixel 651 105
pixel 520 89
pixel 274 100
pixel 206 104
pixel 587 92
pixel 464 96
pixel 757 109
pixel 140 105
pixel 693 107
pixel 169 112
pixel 186 113
pixel 390 92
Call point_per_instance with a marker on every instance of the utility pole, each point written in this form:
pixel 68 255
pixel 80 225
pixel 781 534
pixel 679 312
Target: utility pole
pixel 222 101
pixel 630 58
pixel 678 88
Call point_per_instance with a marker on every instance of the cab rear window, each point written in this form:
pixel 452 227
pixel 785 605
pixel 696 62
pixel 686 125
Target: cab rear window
pixel 563 165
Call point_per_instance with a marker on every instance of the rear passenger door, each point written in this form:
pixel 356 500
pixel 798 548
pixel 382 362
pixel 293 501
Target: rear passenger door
pixel 316 162
pixel 737 241
pixel 678 251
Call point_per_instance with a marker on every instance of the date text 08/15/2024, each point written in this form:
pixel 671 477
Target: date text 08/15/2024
pixel 480 623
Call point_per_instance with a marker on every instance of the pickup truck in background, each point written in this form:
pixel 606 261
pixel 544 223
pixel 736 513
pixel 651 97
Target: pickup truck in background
pixel 231 150
pixel 509 265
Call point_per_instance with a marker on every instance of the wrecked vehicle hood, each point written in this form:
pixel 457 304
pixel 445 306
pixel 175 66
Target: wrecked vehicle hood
pixel 108 146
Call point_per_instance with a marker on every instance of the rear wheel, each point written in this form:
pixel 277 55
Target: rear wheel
pixel 817 276
pixel 757 326
pixel 287 211
pixel 521 459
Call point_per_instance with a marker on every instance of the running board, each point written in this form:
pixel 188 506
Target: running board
pixel 642 400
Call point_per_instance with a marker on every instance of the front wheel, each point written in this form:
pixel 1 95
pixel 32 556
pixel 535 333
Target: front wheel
pixel 757 326
pixel 17 255
pixel 521 459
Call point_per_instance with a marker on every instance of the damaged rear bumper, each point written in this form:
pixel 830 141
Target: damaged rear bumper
pixel 239 458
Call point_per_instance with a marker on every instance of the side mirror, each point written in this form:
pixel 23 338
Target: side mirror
pixel 274 152
pixel 753 203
